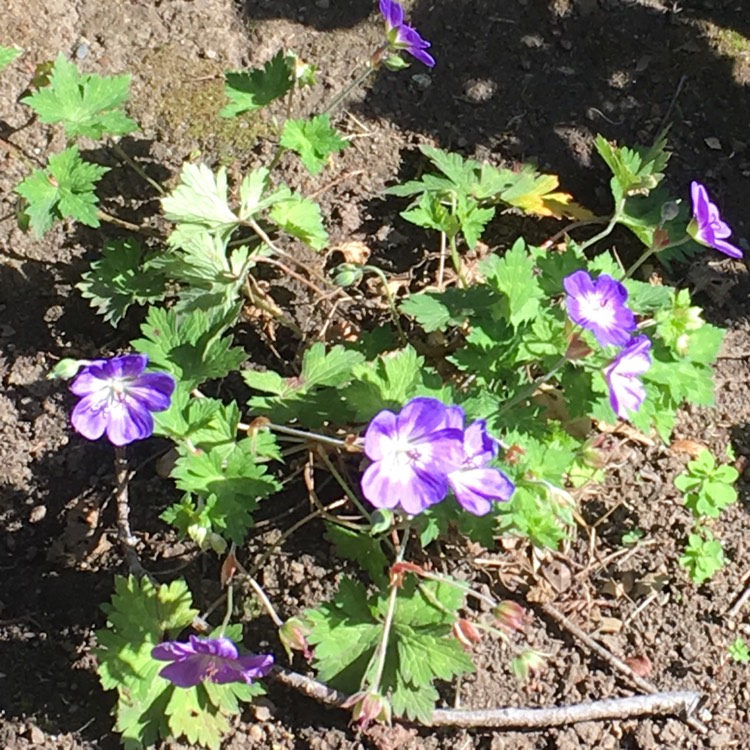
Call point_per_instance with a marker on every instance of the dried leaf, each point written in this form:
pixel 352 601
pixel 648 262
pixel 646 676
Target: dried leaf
pixel 692 447
pixel 640 664
pixel 354 252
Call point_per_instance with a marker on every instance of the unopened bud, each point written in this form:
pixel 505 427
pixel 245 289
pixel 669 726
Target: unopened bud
pixel 368 707
pixel 65 369
pixel 510 615
pixel 577 348
pixel 466 633
pixel 293 636
pixel 591 453
pixel 347 274
pixel 669 211
pixel 527 663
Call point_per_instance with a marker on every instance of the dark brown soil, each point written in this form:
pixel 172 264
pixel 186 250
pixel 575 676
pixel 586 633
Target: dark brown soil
pixel 523 80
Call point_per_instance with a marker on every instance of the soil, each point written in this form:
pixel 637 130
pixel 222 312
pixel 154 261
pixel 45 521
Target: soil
pixel 523 80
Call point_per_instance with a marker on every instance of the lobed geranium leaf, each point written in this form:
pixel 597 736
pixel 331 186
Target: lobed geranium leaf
pixel 86 105
pixel 346 631
pixel 191 347
pixel 125 275
pixel 249 90
pixel 513 275
pixel 301 218
pixel 8 55
pixel 199 205
pixel 315 140
pixel 64 190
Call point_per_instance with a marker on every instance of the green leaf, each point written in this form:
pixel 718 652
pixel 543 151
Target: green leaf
pixel 637 170
pixel 314 140
pixel 332 368
pixel 199 205
pixel 301 218
pixel 346 632
pixel 87 105
pixel 437 311
pixel 230 484
pixel 210 277
pixel 124 276
pixel 191 347
pixel 8 55
pixel 64 190
pixel 312 397
pixel 473 219
pixel 388 383
pixel 362 549
pixel 430 213
pixel 252 89
pixel 513 276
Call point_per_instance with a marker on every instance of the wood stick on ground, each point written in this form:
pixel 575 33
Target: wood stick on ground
pixel 612 660
pixel 741 599
pixel 656 704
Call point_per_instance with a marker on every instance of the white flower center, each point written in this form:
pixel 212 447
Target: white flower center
pixel 597 309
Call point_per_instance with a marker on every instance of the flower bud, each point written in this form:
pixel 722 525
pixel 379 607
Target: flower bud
pixel 591 453
pixel 577 348
pixel 527 663
pixel 510 615
pixel 347 274
pixel 368 707
pixel 466 633
pixel 669 211
pixel 293 636
pixel 65 369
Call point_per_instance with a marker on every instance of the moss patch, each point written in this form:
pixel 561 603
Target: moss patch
pixel 184 96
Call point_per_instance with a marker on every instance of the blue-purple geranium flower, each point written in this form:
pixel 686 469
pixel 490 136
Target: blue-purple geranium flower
pixel 599 305
pixel 410 452
pixel 401 36
pixel 626 392
pixel 213 659
pixel 475 485
pixel 707 227
pixel 118 397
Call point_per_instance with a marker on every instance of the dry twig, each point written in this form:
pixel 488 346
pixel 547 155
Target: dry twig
pixel 612 660
pixel 657 704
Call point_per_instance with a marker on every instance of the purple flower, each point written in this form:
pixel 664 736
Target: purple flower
pixel 475 485
pixel 213 659
pixel 707 228
pixel 626 392
pixel 117 397
pixel 599 306
pixel 401 36
pixel 411 454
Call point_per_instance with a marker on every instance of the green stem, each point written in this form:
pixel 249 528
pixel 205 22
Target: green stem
pixel 382 650
pixel 652 251
pixel 523 394
pixel 369 68
pixel 456 260
pixel 344 486
pixel 230 607
pixel 136 168
pixel 391 301
pixel 303 434
pixel 617 214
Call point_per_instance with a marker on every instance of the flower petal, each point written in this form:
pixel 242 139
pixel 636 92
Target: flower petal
pixel 89 417
pixel 244 669
pixel 477 489
pixel 421 418
pixel 128 421
pixel 392 12
pixel 172 651
pixel 153 390
pixel 187 672
pixel 126 366
pixel 479 446
pixel 381 434
pixel 222 648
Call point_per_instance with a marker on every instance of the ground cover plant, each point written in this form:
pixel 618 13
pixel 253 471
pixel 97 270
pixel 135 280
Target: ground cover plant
pixel 466 411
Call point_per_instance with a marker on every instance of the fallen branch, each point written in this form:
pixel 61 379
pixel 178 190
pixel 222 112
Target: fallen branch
pixel 657 704
pixel 613 661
